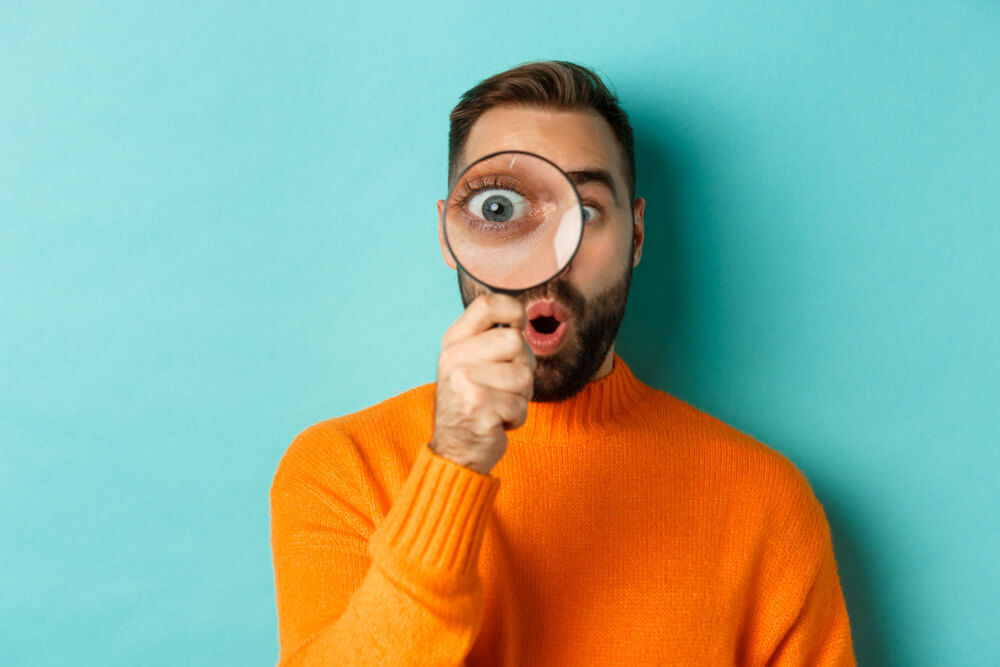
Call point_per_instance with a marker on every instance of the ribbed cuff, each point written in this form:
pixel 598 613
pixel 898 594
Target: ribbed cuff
pixel 433 532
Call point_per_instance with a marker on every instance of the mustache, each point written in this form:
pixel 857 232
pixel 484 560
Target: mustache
pixel 557 290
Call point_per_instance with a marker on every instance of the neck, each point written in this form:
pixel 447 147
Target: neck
pixel 607 365
pixel 606 403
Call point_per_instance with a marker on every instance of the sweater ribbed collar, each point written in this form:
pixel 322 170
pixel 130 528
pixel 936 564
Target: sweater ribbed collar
pixel 602 406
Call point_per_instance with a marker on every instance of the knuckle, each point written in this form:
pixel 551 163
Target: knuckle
pixel 502 303
pixel 463 383
pixel 487 301
pixel 461 375
pixel 474 310
pixel 452 333
pixel 477 397
pixel 447 357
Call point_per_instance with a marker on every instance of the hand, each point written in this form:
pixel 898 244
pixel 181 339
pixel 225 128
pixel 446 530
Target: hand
pixel 485 379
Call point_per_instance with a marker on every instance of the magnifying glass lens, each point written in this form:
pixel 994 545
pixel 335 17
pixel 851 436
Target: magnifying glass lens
pixel 513 220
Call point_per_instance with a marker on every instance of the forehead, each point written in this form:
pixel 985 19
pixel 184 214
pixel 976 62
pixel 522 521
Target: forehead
pixel 574 140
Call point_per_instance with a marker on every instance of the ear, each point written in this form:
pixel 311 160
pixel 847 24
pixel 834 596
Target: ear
pixel 445 253
pixel 638 229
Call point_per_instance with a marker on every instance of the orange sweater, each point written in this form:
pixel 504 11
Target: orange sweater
pixel 622 526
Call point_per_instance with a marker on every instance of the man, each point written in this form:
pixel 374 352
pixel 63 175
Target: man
pixel 537 504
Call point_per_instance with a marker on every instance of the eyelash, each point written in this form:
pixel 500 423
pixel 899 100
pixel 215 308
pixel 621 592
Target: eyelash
pixel 469 190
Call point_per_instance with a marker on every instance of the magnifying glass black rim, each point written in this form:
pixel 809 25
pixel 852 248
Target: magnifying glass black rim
pixel 444 225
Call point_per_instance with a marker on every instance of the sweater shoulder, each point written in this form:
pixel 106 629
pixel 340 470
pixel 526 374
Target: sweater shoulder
pixel 376 437
pixel 761 488
pixel 409 410
pixel 755 466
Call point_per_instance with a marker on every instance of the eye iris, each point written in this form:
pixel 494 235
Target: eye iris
pixel 498 208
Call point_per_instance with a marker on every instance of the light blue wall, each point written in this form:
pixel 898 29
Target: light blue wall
pixel 217 227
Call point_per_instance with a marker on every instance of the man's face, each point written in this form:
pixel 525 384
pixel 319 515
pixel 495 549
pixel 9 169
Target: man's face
pixel 588 298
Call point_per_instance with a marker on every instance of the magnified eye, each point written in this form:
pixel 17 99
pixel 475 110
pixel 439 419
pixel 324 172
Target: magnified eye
pixel 498 205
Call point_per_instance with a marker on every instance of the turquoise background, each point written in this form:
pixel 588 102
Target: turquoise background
pixel 217 226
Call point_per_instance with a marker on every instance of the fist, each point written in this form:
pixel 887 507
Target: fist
pixel 485 379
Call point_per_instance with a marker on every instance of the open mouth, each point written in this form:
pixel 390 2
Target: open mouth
pixel 546 326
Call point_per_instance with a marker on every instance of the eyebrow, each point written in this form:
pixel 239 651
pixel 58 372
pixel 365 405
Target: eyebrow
pixel 595 176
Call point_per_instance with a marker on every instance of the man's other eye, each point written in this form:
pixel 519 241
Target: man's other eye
pixel 497 205
pixel 590 213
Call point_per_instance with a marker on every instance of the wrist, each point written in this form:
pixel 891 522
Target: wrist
pixel 461 458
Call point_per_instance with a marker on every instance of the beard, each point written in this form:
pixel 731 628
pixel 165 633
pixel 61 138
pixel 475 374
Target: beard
pixel 596 321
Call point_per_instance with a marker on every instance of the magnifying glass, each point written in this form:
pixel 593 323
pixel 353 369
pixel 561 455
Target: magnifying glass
pixel 513 220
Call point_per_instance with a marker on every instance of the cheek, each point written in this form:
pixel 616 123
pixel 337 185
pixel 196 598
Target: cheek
pixel 600 260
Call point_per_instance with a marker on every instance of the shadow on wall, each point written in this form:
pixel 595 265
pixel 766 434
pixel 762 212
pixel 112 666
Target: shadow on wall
pixel 654 320
pixel 659 344
pixel 867 615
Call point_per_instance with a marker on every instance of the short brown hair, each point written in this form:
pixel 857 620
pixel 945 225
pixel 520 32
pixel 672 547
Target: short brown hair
pixel 553 83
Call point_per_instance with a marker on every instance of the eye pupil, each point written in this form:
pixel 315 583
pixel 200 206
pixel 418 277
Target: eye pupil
pixel 498 208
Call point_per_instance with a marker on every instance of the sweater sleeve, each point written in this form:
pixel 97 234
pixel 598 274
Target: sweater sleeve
pixel 404 592
pixel 807 617
pixel 820 635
